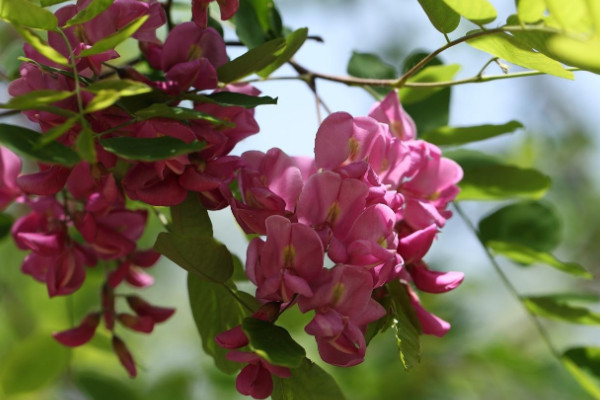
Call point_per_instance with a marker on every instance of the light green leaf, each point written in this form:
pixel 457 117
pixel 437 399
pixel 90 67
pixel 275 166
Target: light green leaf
pixel 572 15
pixel 110 42
pixel 406 325
pixel 149 149
pixel 370 66
pixel 293 42
pixel 32 364
pixel 443 18
pixel 584 364
pixel 252 61
pixel 478 11
pixel 36 99
pixel 41 46
pixel 102 100
pixel 85 144
pixel 46 3
pixel 584 54
pixel 25 142
pixel 528 223
pixel 434 73
pixel 448 135
pixel 526 256
pixel 559 309
pixel 57 131
pixel 161 110
pixel 488 178
pixel 96 7
pixel 125 87
pixel 215 310
pixel 508 48
pixel 273 343
pixel 24 13
pixel 530 11
pixel 307 382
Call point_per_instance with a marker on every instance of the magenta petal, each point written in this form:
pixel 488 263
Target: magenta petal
pixel 413 247
pixel 137 323
pixel 124 356
pixel 145 309
pixel 80 334
pixel 46 182
pixel 232 339
pixel 435 281
pixel 228 8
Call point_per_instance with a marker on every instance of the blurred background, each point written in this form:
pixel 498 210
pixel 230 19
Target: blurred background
pixel 492 351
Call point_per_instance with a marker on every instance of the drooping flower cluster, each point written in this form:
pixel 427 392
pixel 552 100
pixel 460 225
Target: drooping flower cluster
pixel 80 215
pixel 373 200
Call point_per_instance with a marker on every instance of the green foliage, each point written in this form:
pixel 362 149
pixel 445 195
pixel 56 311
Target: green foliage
pixel 367 65
pixel 477 11
pixel 111 41
pixel 434 73
pixel 227 99
pixel 41 46
pixel 254 60
pixel 307 382
pixel 488 178
pixel 584 365
pixel 161 110
pixel 85 143
pixel 6 221
pixel 531 10
pixel 94 9
pixel 293 42
pixel 257 21
pixel 558 307
pixel 25 13
pixel 448 135
pixel 149 149
pixel 273 343
pixel 25 142
pixel 36 99
pixel 443 18
pixel 406 325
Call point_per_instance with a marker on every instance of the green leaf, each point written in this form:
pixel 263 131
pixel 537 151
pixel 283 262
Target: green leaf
pixel 228 99
pixel 273 343
pixel 25 142
pixel 584 364
pixel 102 100
pixel 41 46
pixel 46 3
pixel 22 12
pixel 488 178
pixel 96 7
pixel 149 149
pixel 573 15
pixel 32 364
pixel 443 18
pixel 100 387
pixel 201 255
pixel 124 87
pixel 448 135
pixel 584 54
pixel 293 42
pixel 367 65
pixel 528 223
pixel 252 61
pixel 527 256
pixel 215 310
pixel 435 73
pixel 558 308
pixel 161 110
pixel 191 218
pixel 257 21
pixel 478 11
pixel 6 221
pixel 57 131
pixel 307 382
pixel 110 42
pixel 531 10
pixel 36 99
pixel 85 144
pixel 508 48
pixel 406 325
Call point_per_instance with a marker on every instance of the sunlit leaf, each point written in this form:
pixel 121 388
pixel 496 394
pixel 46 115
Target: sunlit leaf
pixel 478 11
pixel 367 65
pixel 85 144
pixel 443 18
pixel 102 100
pixel 488 178
pixel 293 42
pixel 449 135
pixel 94 8
pixel 558 308
pixel 528 223
pixel 149 149
pixel 228 99
pixel 584 54
pixel 273 343
pixel 124 87
pixel 252 61
pixel 110 42
pixel 531 10
pixel 22 12
pixel 406 325
pixel 46 3
pixel 307 382
pixel 25 142
pixel 57 131
pixel 434 73
pixel 571 16
pixel 41 46
pixel 36 99
pixel 584 365
pixel 508 48
pixel 101 387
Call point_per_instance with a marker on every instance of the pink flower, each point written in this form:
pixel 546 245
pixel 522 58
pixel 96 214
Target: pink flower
pixel 10 166
pixel 255 378
pixel 390 112
pixel 145 309
pixel 200 10
pixel 80 334
pixel 434 281
pixel 430 324
pixel 125 357
pixel 48 181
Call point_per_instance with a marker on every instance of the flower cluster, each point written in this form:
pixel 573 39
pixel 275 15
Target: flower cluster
pixel 80 216
pixel 373 200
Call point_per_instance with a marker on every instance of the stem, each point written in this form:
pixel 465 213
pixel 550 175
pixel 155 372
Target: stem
pixel 167 7
pixel 238 298
pixel 507 283
pixel 75 74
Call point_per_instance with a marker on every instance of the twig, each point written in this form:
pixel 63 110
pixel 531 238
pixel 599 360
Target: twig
pixel 167 7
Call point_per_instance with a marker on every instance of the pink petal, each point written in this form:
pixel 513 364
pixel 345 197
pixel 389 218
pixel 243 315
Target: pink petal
pixel 80 334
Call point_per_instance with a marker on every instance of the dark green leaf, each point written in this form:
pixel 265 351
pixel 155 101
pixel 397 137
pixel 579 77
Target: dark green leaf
pixel 41 46
pixel 233 99
pixel 257 21
pixel 100 387
pixel 22 12
pixel 36 99
pixel 215 310
pixel 529 223
pixel 434 73
pixel 160 110
pixel 273 343
pixel 367 65
pixel 191 218
pixel 526 256
pixel 110 42
pixel 478 11
pixel 560 309
pixel 406 325
pixel 488 178
pixel 149 149
pixel 94 8
pixel 133 104
pixel 584 364
pixel 252 61
pixel 46 3
pixel 25 142
pixel 32 364
pixel 443 18
pixel 307 382
pixel 6 221
pixel 203 256
pixel 448 135
pixel 293 42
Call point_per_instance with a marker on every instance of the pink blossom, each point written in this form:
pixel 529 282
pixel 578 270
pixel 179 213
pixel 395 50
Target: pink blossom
pixel 48 181
pixel 10 166
pixel 434 281
pixel 125 357
pixel 138 323
pixel 200 10
pixel 430 324
pixel 80 334
pixel 145 309
pixel 390 112
pixel 255 378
